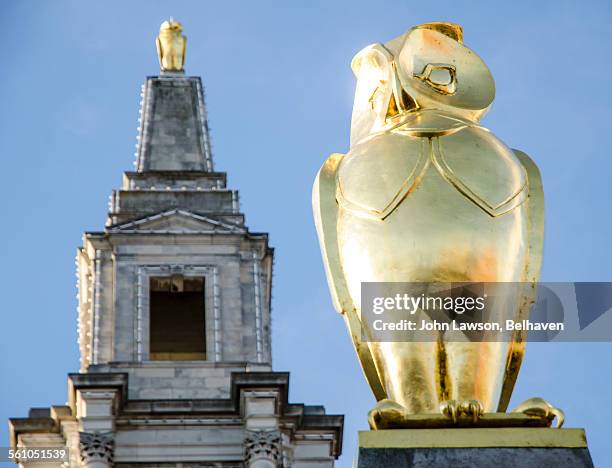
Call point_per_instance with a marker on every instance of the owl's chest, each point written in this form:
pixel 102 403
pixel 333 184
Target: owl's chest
pixel 172 43
pixel 470 166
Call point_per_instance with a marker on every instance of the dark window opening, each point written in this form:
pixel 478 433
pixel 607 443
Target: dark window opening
pixel 177 319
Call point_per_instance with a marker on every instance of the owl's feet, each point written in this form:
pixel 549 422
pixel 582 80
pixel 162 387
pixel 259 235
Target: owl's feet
pixel 453 410
pixel 541 408
pixel 386 413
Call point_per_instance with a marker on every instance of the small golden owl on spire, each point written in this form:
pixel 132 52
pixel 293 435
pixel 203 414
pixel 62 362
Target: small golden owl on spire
pixel 171 45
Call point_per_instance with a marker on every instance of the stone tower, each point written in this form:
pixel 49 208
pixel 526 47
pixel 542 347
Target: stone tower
pixel 174 317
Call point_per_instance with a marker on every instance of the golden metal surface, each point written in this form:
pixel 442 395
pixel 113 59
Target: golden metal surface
pixel 171 46
pixel 426 194
pixel 534 412
pixel 540 408
pixel 474 437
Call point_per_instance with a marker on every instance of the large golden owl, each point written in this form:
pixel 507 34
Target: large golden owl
pixel 426 194
pixel 171 46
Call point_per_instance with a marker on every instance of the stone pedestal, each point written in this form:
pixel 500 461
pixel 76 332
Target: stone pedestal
pixel 474 447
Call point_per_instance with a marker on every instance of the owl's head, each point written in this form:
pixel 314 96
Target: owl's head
pixel 428 67
pixel 171 26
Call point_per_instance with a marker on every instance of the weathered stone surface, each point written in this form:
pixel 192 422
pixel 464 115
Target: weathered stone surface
pixel 474 447
pixel 174 129
pixel 500 457
pixel 156 180
pixel 135 204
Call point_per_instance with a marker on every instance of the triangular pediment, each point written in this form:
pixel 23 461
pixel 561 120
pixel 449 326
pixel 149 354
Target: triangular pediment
pixel 177 222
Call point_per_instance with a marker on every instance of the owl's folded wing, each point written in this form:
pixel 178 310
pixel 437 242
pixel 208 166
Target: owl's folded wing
pixel 535 236
pixel 325 209
pixel 160 51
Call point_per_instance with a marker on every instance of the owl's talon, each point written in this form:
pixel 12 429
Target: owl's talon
pixel 450 408
pixel 471 408
pixel 386 413
pixel 541 408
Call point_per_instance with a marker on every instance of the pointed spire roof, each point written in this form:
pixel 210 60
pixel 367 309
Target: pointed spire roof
pixel 173 133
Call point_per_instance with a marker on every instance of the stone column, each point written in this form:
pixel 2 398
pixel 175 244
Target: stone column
pixel 263 449
pixel 96 399
pixel 262 440
pixel 96 449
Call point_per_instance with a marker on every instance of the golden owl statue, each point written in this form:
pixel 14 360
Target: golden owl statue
pixel 171 46
pixel 427 194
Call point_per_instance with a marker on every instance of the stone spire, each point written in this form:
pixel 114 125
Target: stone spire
pixel 173 131
pixel 174 317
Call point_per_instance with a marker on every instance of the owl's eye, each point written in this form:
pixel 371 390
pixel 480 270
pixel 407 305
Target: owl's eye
pixel 440 76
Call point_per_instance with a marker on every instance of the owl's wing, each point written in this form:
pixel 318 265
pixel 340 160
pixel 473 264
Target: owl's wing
pixel 535 237
pixel 325 210
pixel 160 51
pixel 183 52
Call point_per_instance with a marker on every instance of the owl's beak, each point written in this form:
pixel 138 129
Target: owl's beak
pixel 401 104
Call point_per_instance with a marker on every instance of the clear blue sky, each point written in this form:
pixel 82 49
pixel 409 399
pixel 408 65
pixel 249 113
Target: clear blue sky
pixel 279 93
